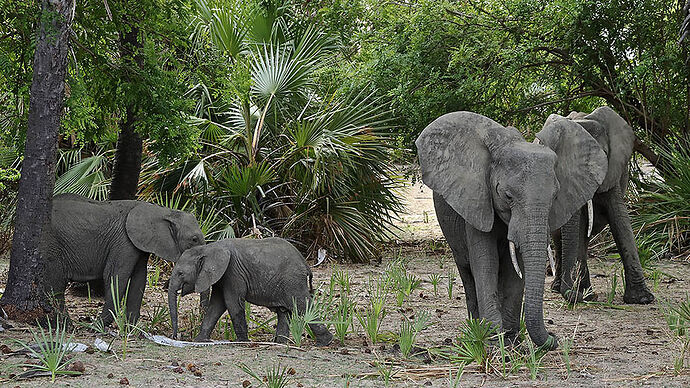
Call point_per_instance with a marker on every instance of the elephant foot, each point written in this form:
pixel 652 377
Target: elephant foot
pixel 638 295
pixel 556 285
pixel 551 342
pixel 324 339
pixel 202 338
pixel 280 339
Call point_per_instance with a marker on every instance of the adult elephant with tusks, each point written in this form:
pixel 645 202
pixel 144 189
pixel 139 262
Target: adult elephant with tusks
pixel 607 207
pixel 112 240
pixel 497 198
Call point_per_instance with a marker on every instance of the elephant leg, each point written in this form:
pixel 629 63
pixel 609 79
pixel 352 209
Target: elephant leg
pixel 511 289
pixel 570 243
pixel 636 290
pixel 137 285
pixel 119 283
pixel 484 262
pixel 453 228
pixel 282 329
pixel 215 309
pixel 235 305
pixel 558 256
pixel 584 289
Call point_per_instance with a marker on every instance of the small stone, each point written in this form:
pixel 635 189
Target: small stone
pixel 344 351
pixel 110 375
pixel 218 364
pixel 291 371
pixel 5 349
pixel 550 321
pixel 77 366
pixel 367 350
pixel 427 383
pixel 178 370
pixel 124 381
pixel 448 341
pixel 174 363
pixel 650 332
pixel 246 383
pixel 300 385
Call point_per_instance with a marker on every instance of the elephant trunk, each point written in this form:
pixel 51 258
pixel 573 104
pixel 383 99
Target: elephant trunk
pixel 173 286
pixel 534 251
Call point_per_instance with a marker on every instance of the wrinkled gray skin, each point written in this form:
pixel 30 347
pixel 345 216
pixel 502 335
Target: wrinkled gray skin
pixel 91 240
pixel 491 187
pixel 269 272
pixel 616 138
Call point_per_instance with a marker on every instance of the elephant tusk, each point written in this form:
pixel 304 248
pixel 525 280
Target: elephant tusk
pixel 552 262
pixel 590 218
pixel 513 257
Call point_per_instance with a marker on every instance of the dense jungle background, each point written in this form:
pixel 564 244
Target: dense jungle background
pixel 297 118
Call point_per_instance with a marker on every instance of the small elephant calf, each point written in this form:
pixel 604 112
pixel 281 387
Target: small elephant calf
pixel 269 272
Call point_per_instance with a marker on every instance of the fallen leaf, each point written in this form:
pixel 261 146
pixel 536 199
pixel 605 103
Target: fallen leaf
pixel 124 381
pixel 291 371
pixel 246 383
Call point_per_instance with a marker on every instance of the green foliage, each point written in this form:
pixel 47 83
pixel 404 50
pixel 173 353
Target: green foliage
pixel 473 343
pixel 50 350
pixel 283 155
pixel 275 376
pixel 663 205
pixel 409 330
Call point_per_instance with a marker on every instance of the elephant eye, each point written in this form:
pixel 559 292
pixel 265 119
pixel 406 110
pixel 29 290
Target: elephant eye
pixel 509 196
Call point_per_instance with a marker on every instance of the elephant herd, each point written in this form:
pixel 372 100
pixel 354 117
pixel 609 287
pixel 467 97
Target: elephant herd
pixel 499 201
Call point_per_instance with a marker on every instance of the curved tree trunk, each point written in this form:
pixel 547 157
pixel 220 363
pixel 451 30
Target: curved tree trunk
pixel 24 298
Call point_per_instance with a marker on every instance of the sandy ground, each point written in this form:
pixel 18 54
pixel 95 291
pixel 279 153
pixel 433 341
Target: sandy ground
pixel 619 345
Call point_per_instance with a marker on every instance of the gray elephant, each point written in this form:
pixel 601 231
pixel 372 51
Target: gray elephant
pixel 89 240
pixel 607 207
pixel 497 197
pixel 269 272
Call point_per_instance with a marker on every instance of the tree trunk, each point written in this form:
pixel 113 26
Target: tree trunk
pixel 127 166
pixel 24 298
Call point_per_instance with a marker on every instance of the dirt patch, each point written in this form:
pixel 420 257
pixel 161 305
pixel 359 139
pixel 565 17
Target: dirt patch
pixel 618 345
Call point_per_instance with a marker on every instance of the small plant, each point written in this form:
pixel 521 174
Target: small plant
pixel 454 382
pixel 370 318
pixel 52 350
pixel 385 371
pixel 342 278
pixel 227 329
pixel 299 322
pixel 533 360
pixel 435 279
pixel 409 331
pixel 403 280
pixel 159 316
pixel 120 317
pixel 473 343
pixel 612 289
pixel 678 321
pixel 451 280
pixel 343 319
pixel 275 377
pixel 153 277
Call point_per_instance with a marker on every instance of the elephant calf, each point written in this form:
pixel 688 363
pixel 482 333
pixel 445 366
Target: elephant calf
pixel 270 272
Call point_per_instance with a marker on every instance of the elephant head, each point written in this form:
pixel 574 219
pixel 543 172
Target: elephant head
pixel 162 231
pixel 197 269
pixel 482 169
pixel 615 137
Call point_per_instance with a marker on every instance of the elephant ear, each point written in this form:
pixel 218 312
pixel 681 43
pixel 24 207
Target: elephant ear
pixel 580 166
pixel 455 160
pixel 619 139
pixel 211 267
pixel 152 229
